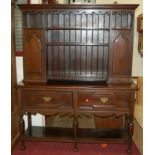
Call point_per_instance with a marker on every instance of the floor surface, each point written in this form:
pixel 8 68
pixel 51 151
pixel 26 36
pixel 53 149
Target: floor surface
pixel 56 148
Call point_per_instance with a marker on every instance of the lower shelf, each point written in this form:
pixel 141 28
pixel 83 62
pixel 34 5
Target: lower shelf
pixel 84 135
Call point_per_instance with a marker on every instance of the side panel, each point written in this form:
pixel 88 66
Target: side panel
pixel 33 55
pixel 121 55
pixel 121 46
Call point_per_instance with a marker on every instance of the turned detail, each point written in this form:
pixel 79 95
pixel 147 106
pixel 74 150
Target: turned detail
pixel 75 127
pixel 29 123
pixel 22 130
pixel 130 133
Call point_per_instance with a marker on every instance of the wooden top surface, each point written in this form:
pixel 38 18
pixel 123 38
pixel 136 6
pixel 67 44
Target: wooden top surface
pixel 75 86
pixel 77 6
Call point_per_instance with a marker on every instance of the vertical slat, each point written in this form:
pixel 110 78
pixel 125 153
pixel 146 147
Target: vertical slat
pixel 58 46
pixel 61 61
pixel 64 60
pixel 52 16
pixel 89 24
pixel 56 60
pixel 94 62
pixel 69 47
pixel 53 59
pixel 45 46
pixel 92 26
pixel 54 21
pixel 78 61
pixel 131 25
pixel 64 46
pixel 48 19
pixel 72 61
pixel 69 25
pixel 83 60
pixel 67 60
pixel 24 20
pixel 80 42
pixel 64 27
pixel 99 56
pixel 88 61
pixel 98 25
pixel 44 20
pixel 39 19
pixel 28 19
pixel 86 42
pixel 127 21
pixel 48 64
pixel 97 63
pixel 98 46
pixel 103 63
pixel 75 49
pixel 103 46
pixel 86 27
pixel 52 46
pixel 30 16
pixel 109 20
pixel 118 20
pixel 92 46
pixel 91 59
pixel 121 19
pixel 124 20
pixel 115 20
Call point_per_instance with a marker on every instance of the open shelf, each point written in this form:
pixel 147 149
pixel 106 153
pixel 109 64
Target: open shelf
pixel 84 135
pixel 77 28
pixel 75 44
pixel 37 132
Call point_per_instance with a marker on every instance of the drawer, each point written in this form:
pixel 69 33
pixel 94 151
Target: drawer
pixel 45 98
pixel 92 100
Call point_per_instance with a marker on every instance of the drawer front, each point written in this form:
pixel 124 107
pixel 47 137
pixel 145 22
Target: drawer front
pixel 103 99
pixel 47 98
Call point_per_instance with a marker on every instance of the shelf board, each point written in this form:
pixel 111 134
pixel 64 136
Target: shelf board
pixel 75 44
pixel 76 28
pixel 38 132
pixel 125 29
pixel 84 135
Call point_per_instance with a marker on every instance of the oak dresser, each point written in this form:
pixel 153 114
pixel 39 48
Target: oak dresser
pixel 77 63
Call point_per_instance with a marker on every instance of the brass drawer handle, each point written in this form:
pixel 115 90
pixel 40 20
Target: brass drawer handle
pixel 104 99
pixel 47 98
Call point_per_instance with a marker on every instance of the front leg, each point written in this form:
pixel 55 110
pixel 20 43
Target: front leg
pixel 130 133
pixel 29 123
pixel 75 127
pixel 22 131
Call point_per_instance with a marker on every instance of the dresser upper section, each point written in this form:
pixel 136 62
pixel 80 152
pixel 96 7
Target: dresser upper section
pixel 78 42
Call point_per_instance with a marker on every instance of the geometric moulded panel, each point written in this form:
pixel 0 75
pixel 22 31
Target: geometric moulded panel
pixel 33 54
pixel 121 55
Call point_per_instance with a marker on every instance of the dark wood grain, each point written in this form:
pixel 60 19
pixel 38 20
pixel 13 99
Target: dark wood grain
pixel 77 63
pixel 15 133
pixel 65 6
pixel 83 44
pixel 33 55
pixel 85 135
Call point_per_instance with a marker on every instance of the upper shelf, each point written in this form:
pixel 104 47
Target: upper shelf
pixel 76 6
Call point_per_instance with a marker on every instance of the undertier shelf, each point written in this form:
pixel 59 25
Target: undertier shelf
pixel 84 135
